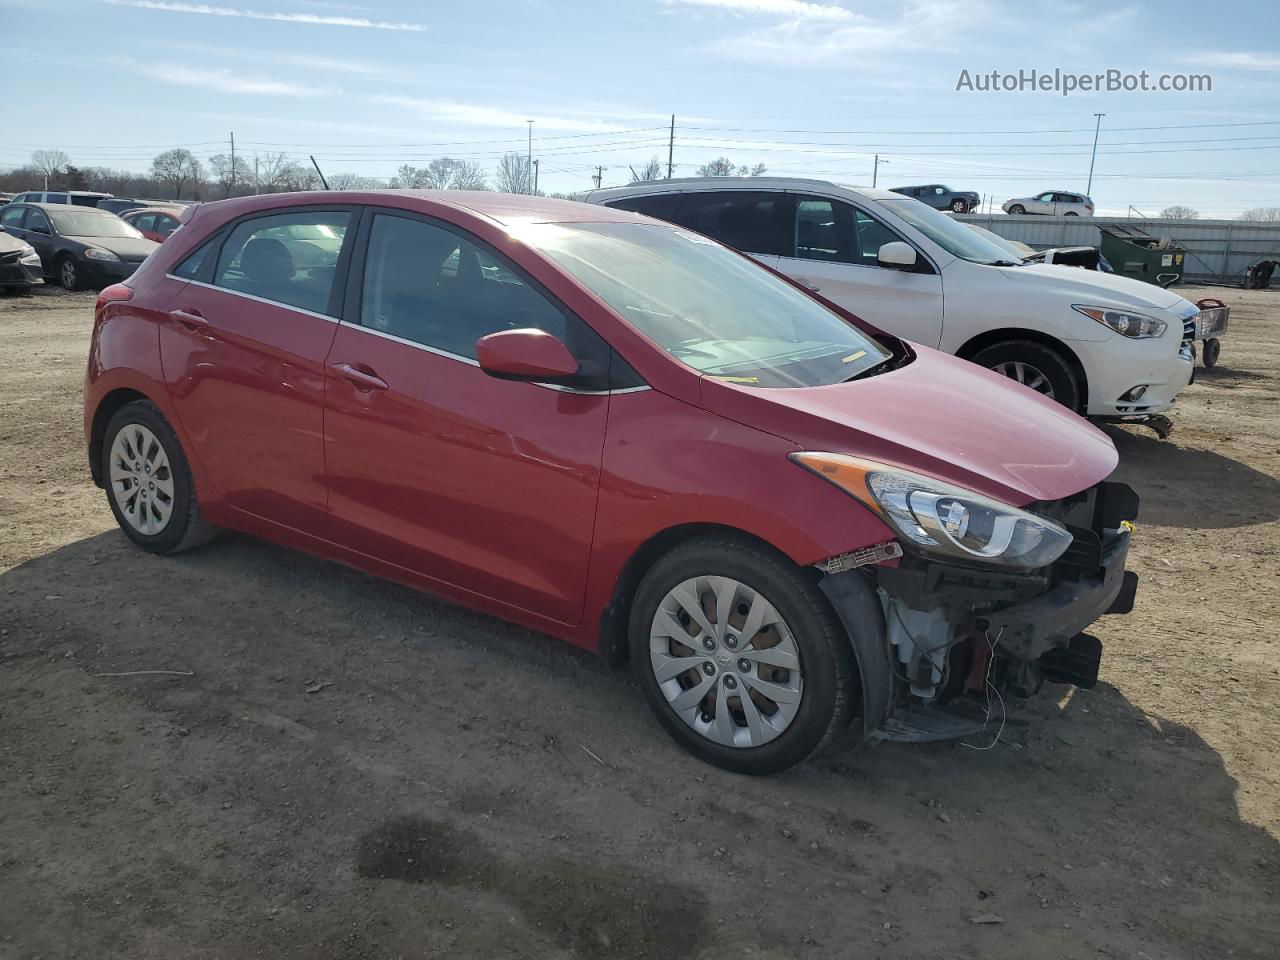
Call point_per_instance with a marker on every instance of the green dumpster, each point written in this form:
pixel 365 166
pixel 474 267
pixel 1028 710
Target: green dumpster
pixel 1133 252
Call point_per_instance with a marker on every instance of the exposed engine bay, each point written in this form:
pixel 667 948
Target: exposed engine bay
pixel 959 641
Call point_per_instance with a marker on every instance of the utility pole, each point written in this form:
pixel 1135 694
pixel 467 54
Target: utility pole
pixel 599 177
pixel 671 148
pixel 1094 156
pixel 528 170
pixel 232 189
pixel 255 174
pixel 535 178
pixel 875 171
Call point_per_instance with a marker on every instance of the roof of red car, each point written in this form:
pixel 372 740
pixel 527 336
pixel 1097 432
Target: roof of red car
pixel 503 207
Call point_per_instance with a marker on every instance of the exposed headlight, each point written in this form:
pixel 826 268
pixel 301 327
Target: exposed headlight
pixel 1136 326
pixel 94 253
pixel 27 254
pixel 942 519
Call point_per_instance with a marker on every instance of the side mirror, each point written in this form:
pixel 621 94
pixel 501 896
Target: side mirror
pixel 896 255
pixel 525 354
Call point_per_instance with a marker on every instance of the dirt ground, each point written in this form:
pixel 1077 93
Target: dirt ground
pixel 355 770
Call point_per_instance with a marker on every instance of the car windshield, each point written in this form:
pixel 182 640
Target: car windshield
pixel 710 308
pixel 950 235
pixel 76 223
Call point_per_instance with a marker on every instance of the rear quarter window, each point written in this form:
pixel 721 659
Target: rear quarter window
pixel 663 206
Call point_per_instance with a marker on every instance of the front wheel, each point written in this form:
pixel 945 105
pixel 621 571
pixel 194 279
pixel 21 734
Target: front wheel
pixel 740 655
pixel 1034 365
pixel 148 481
pixel 1017 210
pixel 69 274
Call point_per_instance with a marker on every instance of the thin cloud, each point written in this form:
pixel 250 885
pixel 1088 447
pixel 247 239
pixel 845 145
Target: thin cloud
pixel 221 81
pixel 785 8
pixel 478 115
pixel 314 18
pixel 1239 60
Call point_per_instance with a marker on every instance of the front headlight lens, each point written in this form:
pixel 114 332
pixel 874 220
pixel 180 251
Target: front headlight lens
pixel 1136 326
pixel 942 519
pixel 94 253
pixel 27 253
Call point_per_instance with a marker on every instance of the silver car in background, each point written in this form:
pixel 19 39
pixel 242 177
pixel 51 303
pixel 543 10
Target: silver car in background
pixel 1052 203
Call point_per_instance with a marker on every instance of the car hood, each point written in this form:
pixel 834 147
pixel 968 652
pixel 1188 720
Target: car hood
pixel 940 416
pixel 1094 287
pixel 126 248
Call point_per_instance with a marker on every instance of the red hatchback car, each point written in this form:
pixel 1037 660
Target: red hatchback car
pixel 154 223
pixel 624 434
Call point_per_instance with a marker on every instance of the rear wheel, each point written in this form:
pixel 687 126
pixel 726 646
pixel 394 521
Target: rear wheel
pixel 1034 365
pixel 149 483
pixel 959 206
pixel 1017 210
pixel 1071 213
pixel 740 655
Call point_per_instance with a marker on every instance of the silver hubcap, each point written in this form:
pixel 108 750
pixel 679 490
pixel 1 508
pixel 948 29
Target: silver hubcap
pixel 726 661
pixel 1027 375
pixel 68 273
pixel 141 480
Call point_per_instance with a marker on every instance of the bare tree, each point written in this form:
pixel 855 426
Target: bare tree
pixel 724 167
pixel 1179 212
pixel 468 175
pixel 1263 214
pixel 49 162
pixel 650 171
pixel 514 174
pixel 228 176
pixel 354 181
pixel 296 176
pixel 176 168
pixel 268 171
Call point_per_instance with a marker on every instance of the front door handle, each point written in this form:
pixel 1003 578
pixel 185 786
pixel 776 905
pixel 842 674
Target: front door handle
pixel 364 379
pixel 191 319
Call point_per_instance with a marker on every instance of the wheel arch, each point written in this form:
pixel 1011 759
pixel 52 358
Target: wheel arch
pixel 990 338
pixel 106 409
pixel 612 641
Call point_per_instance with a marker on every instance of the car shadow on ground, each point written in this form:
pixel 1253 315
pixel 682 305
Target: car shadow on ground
pixel 1185 486
pixel 324 731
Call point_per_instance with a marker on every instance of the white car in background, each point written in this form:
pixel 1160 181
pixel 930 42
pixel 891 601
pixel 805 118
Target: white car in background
pixel 1105 346
pixel 1052 203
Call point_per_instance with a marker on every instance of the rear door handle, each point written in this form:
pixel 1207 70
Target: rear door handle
pixel 808 286
pixel 363 379
pixel 192 319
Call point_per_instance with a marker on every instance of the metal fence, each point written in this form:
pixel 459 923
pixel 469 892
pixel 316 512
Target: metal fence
pixel 1217 250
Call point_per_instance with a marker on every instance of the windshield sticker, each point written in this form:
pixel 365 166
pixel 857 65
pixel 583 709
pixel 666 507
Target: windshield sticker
pixel 854 356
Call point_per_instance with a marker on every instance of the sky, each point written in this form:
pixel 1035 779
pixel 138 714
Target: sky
pixel 810 88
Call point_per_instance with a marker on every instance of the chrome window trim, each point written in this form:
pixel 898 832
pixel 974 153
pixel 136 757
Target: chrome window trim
pixel 401 340
pixel 250 296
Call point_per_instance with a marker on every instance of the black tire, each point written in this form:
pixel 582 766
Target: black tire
pixel 1017 210
pixel 1212 349
pixel 959 206
pixel 69 273
pixel 186 528
pixel 1040 357
pixel 829 694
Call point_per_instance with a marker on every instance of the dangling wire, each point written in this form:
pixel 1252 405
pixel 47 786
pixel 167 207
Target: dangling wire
pixel 991 688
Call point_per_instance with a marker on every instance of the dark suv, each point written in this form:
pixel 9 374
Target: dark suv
pixel 943 198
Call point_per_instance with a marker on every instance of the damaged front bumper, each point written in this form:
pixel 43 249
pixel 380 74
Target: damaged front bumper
pixel 941 646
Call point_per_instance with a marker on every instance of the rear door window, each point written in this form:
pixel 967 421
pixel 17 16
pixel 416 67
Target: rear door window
pixel 748 220
pixel 289 258
pixel 55 198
